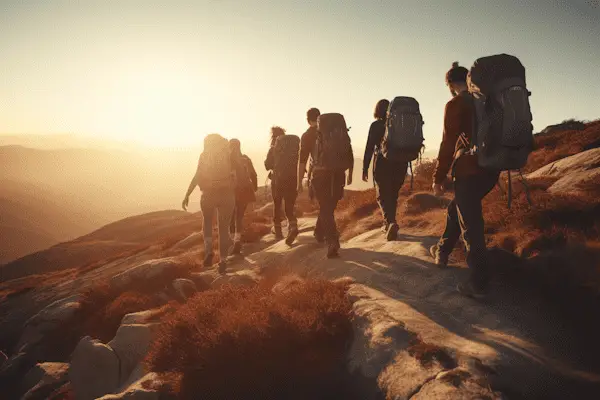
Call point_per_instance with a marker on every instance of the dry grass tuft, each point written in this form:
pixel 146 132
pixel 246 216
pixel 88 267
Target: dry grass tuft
pixel 287 345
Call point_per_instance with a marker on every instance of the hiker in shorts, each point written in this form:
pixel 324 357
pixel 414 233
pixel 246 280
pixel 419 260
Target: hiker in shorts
pixel 216 178
pixel 281 161
pixel 388 175
pixel 246 185
pixel 471 184
pixel 331 156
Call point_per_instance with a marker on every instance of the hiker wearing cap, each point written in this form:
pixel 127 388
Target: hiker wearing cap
pixel 471 184
pixel 246 185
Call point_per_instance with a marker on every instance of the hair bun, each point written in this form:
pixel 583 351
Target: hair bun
pixel 455 64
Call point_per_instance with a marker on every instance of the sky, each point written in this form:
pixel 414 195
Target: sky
pixel 166 73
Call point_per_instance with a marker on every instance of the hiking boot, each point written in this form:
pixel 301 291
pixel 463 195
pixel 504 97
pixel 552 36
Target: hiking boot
pixel 292 234
pixel 333 251
pixel 236 250
pixel 276 230
pixel 439 259
pixel 222 267
pixel 392 232
pixel 467 289
pixel 208 259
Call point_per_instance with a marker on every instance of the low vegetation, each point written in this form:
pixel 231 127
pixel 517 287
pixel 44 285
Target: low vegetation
pixel 258 343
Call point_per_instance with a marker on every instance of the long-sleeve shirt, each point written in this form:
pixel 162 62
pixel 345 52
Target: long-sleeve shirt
pixel 458 129
pixel 307 144
pixel 376 133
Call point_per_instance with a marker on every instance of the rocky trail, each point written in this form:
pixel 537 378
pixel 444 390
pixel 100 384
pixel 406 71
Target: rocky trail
pixel 518 342
pixel 414 336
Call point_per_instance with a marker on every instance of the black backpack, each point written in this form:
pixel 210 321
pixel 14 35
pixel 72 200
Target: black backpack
pixel 285 153
pixel 333 149
pixel 503 135
pixel 503 132
pixel 403 139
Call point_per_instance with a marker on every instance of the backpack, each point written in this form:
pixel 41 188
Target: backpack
pixel 285 154
pixel 503 134
pixel 243 180
pixel 403 138
pixel 214 167
pixel 333 150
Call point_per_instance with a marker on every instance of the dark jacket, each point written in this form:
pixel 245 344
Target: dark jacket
pixel 247 182
pixel 376 133
pixel 458 129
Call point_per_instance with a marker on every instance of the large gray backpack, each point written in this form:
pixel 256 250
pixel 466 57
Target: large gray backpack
pixel 333 149
pixel 503 134
pixel 285 152
pixel 403 139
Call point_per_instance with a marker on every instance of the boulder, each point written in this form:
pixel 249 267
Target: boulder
pixel 43 379
pixel 51 317
pixel 455 384
pixel 94 369
pixel 131 344
pixel 195 239
pixel 184 288
pixel 145 270
pixel 139 390
pixel 571 171
pixel 140 317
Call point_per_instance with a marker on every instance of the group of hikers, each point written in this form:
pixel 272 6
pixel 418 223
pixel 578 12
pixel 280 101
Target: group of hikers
pixel 487 130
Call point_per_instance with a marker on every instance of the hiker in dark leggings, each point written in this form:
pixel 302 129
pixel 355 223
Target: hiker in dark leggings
pixel 388 176
pixel 245 188
pixel 471 184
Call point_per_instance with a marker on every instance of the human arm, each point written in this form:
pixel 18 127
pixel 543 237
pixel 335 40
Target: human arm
pixel 373 140
pixel 453 116
pixel 307 143
pixel 191 187
pixel 270 160
pixel 253 174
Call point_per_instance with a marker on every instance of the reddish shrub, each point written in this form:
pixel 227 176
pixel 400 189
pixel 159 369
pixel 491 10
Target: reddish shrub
pixel 290 345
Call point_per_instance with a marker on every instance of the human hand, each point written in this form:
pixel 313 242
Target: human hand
pixel 365 176
pixel 185 203
pixel 349 180
pixel 438 189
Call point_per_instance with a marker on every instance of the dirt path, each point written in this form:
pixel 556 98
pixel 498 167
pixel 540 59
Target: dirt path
pixel 534 354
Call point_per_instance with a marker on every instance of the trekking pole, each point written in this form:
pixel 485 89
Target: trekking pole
pixel 526 186
pixel 509 190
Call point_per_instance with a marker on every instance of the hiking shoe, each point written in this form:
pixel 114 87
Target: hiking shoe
pixel 439 260
pixel 292 234
pixel 222 267
pixel 208 259
pixel 236 250
pixel 276 230
pixel 392 232
pixel 467 289
pixel 333 251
